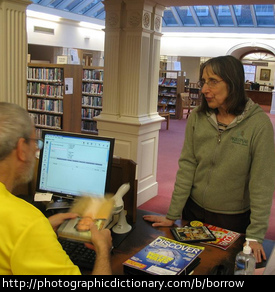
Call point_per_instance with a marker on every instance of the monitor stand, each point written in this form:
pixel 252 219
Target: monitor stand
pixel 59 203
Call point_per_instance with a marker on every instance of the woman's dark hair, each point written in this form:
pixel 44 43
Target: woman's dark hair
pixel 231 72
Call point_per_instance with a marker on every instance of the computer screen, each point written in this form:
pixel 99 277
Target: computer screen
pixel 73 164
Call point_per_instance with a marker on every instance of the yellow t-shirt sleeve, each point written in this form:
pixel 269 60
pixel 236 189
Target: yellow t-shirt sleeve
pixel 38 252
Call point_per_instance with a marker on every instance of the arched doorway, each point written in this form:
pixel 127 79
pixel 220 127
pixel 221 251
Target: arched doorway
pixel 240 50
pixel 261 57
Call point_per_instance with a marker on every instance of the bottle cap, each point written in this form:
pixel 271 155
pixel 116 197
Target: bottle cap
pixel 247 249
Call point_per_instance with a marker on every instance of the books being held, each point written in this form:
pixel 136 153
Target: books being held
pixel 164 256
pixel 192 234
pixel 90 209
pixel 224 237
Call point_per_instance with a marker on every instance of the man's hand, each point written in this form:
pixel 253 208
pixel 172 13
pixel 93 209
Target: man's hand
pixel 102 244
pixel 57 219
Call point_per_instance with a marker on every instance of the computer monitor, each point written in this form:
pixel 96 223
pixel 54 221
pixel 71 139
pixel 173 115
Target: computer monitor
pixel 73 165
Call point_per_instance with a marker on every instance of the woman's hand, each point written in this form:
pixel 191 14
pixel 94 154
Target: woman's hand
pixel 257 250
pixel 158 220
pixel 57 219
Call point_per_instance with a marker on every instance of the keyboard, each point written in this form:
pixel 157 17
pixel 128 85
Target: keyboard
pixel 79 254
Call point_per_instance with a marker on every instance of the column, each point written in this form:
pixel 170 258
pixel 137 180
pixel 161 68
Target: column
pixel 13 51
pixel 272 109
pixel 131 71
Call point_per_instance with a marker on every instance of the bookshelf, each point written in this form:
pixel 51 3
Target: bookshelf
pixel 189 99
pixel 53 96
pixel 92 97
pixel 194 94
pixel 171 83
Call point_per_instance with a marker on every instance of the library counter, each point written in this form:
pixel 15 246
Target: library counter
pixel 260 97
pixel 143 233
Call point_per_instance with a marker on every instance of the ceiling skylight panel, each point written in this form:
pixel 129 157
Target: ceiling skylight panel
pixel 73 4
pixel 185 16
pixel 52 4
pixel 243 15
pixel 169 18
pixel 91 5
pixel 264 15
pixel 223 15
pixel 204 16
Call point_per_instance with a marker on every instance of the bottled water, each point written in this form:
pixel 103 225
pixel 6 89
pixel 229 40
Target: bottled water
pixel 245 261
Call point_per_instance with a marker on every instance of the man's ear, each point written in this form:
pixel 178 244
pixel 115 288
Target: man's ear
pixel 22 149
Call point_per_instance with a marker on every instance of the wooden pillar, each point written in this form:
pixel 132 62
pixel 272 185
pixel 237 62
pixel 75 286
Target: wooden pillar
pixel 131 71
pixel 13 51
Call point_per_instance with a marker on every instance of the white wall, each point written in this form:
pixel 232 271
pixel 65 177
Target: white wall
pixel 209 44
pixel 66 34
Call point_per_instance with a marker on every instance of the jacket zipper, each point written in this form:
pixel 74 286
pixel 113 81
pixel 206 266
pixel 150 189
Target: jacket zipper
pixel 212 166
pixel 219 137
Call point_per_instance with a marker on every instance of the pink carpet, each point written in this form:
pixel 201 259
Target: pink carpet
pixel 170 145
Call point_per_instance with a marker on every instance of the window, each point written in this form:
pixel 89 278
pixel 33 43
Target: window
pixel 249 72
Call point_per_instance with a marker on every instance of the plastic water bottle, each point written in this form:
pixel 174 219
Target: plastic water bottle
pixel 245 262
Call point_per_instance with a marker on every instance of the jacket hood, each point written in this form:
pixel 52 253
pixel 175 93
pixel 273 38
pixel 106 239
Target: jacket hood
pixel 250 109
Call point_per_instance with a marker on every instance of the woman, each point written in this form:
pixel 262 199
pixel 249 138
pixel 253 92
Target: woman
pixel 227 165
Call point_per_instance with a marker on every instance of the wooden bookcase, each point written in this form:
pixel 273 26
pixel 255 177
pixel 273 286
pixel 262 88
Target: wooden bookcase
pixel 194 92
pixel 92 97
pixel 171 83
pixel 54 96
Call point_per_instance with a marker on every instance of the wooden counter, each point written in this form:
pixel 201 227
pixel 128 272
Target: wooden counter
pixel 143 233
pixel 260 97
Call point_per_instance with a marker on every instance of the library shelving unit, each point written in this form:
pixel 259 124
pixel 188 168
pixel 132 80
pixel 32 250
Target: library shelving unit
pixel 194 92
pixel 92 96
pixel 189 99
pixel 171 83
pixel 54 96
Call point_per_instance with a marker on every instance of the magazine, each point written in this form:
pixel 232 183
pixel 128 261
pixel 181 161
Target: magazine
pixel 192 234
pixel 164 256
pixel 224 237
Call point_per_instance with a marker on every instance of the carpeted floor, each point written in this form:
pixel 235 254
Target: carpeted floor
pixel 170 145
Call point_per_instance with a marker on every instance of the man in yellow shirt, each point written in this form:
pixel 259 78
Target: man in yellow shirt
pixel 28 242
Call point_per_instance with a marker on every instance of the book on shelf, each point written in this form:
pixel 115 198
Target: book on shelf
pixel 192 234
pixel 163 100
pixel 173 82
pixel 38 104
pixel 90 209
pixel 164 256
pixel 88 126
pixel 47 74
pixel 46 90
pixel 172 101
pixel 91 100
pixel 89 113
pixel 93 74
pixel 161 80
pixel 92 88
pixel 173 91
pixel 46 120
pixel 166 81
pixel 224 237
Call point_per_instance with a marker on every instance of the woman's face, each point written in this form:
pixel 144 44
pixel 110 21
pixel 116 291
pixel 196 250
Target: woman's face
pixel 216 91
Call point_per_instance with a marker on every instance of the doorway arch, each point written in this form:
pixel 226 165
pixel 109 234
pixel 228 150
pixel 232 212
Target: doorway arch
pixel 240 50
